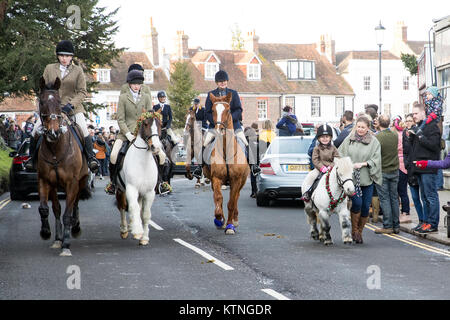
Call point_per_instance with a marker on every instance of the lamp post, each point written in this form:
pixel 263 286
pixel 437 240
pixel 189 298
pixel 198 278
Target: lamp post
pixel 379 32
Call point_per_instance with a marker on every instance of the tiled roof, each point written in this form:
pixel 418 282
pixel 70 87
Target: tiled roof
pixel 119 71
pixel 18 104
pixel 417 46
pixel 273 80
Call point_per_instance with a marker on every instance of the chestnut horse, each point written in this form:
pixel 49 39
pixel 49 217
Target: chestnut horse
pixel 60 164
pixel 228 164
pixel 193 140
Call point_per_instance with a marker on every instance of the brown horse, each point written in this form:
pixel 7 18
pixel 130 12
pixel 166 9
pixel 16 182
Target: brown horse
pixel 193 140
pixel 60 164
pixel 228 164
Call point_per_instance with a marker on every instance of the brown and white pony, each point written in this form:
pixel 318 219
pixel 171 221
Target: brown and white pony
pixel 228 164
pixel 193 141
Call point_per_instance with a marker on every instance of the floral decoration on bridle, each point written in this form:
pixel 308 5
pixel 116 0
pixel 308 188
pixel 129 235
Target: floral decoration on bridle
pixel 144 116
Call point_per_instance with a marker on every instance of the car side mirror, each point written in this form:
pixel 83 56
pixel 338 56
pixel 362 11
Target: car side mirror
pixel 13 154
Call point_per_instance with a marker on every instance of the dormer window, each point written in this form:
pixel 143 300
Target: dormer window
pixel 211 70
pixel 148 76
pixel 301 70
pixel 254 72
pixel 103 75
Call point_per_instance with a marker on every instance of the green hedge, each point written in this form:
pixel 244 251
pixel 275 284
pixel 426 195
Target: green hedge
pixel 5 165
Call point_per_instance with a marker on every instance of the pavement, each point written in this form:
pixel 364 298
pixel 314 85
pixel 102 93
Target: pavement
pixel 441 235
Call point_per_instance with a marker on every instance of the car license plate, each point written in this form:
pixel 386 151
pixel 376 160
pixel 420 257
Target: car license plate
pixel 180 163
pixel 297 167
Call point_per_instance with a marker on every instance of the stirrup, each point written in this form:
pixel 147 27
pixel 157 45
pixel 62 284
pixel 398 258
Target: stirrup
pixel 93 165
pixel 198 172
pixel 110 188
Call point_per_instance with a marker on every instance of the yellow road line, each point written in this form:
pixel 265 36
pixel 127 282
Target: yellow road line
pixel 5 203
pixel 4 200
pixel 413 242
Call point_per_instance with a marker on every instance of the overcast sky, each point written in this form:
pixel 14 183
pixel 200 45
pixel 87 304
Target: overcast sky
pixel 208 23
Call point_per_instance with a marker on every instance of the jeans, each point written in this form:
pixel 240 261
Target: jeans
pixel 362 204
pixel 403 191
pixel 419 203
pixel 440 179
pixel 427 185
pixel 388 195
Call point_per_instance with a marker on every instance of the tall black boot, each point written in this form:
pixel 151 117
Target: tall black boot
pixel 198 172
pixel 90 155
pixel 111 187
pixel 32 162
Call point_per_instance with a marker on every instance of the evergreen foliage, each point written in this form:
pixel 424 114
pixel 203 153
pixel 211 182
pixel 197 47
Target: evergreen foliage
pixel 410 63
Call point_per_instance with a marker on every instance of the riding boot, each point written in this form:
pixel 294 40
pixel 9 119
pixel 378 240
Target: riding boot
pixel 32 162
pixel 90 155
pixel 355 216
pixel 111 187
pixel 198 172
pixel 361 224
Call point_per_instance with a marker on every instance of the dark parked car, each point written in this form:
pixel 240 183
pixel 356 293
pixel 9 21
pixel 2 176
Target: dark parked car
pixel 180 160
pixel 22 182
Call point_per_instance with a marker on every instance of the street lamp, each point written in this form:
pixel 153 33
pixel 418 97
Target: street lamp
pixel 379 32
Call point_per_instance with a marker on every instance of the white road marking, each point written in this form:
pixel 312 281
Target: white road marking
pixel 275 294
pixel 154 225
pixel 204 254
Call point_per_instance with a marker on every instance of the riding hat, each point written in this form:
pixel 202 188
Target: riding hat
pixel 324 130
pixel 135 66
pixel 135 77
pixel 161 94
pixel 221 76
pixel 196 101
pixel 65 47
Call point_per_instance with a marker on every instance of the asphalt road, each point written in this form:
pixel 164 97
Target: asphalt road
pixel 270 257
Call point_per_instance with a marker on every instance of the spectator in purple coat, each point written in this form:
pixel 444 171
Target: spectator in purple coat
pixel 434 164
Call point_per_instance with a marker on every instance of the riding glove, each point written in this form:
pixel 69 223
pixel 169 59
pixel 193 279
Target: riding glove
pixel 130 136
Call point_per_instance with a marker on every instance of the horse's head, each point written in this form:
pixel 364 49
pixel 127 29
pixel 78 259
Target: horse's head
pixel 190 121
pixel 50 110
pixel 221 113
pixel 344 170
pixel 149 128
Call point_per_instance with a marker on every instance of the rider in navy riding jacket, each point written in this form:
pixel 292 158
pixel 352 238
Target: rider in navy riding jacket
pixel 235 105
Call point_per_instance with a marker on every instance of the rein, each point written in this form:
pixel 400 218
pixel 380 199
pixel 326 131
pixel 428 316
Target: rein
pixel 335 202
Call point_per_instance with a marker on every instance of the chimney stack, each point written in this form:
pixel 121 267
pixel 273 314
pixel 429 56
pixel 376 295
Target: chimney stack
pixel 151 47
pixel 251 42
pixel 327 47
pixel 181 45
pixel 401 32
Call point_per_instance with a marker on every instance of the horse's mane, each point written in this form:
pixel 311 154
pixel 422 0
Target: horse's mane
pixel 345 165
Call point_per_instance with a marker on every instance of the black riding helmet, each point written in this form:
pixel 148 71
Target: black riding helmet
pixel 324 130
pixel 161 94
pixel 65 47
pixel 221 76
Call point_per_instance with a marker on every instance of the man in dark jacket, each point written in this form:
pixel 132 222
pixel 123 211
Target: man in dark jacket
pixel 347 119
pixel 426 146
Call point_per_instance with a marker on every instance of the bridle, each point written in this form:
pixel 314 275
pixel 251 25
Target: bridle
pixel 340 182
pixel 52 116
pixel 225 125
pixel 146 139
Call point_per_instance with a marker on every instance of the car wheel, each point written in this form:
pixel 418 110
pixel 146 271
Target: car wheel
pixel 261 200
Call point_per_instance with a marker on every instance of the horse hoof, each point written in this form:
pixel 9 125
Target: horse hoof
pixel 65 253
pixel 137 236
pixel 328 242
pixel 315 236
pixel 56 245
pixel 45 235
pixel 348 242
pixel 76 232
pixel 124 235
pixel 236 223
pixel 219 223
pixel 230 229
pixel 143 242
pixel 197 186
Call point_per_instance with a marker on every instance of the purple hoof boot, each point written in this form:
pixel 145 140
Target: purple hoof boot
pixel 218 223
pixel 230 227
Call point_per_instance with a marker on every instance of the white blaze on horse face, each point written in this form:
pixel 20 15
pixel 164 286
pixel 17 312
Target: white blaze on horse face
pixel 155 139
pixel 219 110
pixel 187 122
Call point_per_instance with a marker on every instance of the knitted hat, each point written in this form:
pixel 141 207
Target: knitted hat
pixel 433 90
pixel 135 77
pixel 135 66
